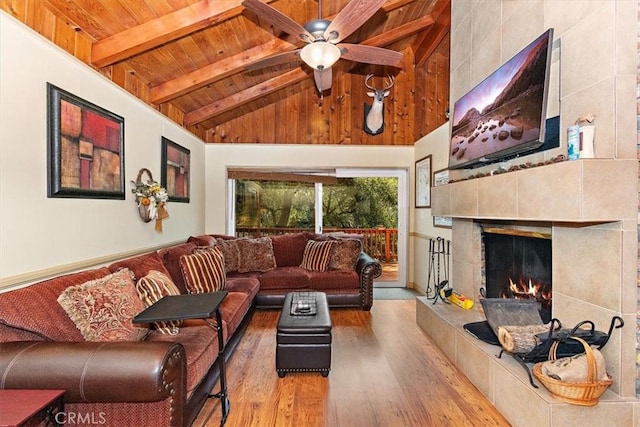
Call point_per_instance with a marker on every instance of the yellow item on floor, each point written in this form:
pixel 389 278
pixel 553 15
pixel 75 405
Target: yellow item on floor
pixel 456 298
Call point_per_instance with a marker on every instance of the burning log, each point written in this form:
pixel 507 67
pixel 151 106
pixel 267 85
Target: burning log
pixel 520 339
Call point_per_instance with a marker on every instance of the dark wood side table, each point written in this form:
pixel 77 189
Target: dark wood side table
pixel 24 407
pixel 194 306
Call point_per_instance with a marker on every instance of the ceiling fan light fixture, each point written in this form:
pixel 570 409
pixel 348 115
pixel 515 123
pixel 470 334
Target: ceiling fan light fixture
pixel 320 55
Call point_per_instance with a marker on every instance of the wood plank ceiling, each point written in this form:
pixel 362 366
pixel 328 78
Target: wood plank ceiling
pixel 188 59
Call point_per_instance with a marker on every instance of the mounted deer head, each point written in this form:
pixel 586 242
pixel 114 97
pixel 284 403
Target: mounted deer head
pixel 374 113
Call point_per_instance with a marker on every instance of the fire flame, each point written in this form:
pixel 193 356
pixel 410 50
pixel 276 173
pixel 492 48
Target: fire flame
pixel 528 289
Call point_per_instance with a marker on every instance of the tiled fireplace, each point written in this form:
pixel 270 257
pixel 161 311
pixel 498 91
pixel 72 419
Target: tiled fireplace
pixel 591 222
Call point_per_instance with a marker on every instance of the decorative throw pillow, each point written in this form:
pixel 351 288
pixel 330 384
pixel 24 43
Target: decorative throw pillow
pixel 255 254
pixel 151 288
pixel 203 270
pixel 229 249
pixel 102 309
pixel 345 254
pixel 317 255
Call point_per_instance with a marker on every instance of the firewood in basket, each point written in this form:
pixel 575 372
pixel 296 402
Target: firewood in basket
pixel 520 339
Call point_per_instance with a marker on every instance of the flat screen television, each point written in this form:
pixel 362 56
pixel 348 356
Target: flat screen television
pixel 505 114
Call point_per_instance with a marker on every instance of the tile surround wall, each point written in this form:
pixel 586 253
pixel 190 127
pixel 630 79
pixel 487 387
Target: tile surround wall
pixel 595 234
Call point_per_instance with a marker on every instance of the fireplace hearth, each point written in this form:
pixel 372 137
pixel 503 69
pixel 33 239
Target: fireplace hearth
pixel 518 264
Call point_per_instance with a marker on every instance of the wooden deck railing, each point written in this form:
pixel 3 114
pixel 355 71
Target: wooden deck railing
pixel 380 243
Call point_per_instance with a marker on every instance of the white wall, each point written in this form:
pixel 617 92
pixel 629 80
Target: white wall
pixel 435 144
pixel 37 232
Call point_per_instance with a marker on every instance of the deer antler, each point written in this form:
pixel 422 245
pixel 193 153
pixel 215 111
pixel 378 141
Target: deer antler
pixel 390 81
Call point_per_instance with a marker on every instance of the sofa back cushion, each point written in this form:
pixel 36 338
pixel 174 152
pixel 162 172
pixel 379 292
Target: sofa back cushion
pixel 103 309
pixel 203 240
pixel 255 254
pixel 288 248
pixel 171 258
pixel 35 309
pixel 141 265
pixel 203 270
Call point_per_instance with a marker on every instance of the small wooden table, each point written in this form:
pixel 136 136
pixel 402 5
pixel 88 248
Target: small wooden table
pixel 24 407
pixel 194 306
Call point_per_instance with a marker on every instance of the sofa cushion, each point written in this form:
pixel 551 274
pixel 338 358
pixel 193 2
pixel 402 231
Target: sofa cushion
pixel 171 259
pixel 141 265
pixel 247 285
pixel 229 248
pixel 102 309
pixel 203 270
pixel 151 289
pixel 292 278
pixel 255 254
pixel 344 254
pixel 316 255
pixel 333 279
pixel 233 309
pixel 288 248
pixel 34 309
pixel 203 240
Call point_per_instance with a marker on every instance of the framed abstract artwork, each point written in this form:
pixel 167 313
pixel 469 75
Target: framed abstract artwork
pixel 423 182
pixel 175 171
pixel 85 148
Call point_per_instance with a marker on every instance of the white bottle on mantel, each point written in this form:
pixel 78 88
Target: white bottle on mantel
pixel 586 141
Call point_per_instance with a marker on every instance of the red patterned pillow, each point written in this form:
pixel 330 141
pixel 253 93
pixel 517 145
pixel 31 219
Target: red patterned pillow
pixel 203 270
pixel 229 249
pixel 102 309
pixel 255 254
pixel 345 254
pixel 317 255
pixel 151 288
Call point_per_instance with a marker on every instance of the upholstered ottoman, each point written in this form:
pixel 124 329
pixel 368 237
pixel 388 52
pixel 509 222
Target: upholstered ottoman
pixel 303 340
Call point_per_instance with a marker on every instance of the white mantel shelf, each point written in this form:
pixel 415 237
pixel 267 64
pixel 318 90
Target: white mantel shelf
pixel 588 190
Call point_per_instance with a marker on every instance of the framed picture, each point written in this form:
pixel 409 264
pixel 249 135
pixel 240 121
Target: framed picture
pixel 175 171
pixel 440 177
pixel 85 148
pixel 423 182
pixel 442 221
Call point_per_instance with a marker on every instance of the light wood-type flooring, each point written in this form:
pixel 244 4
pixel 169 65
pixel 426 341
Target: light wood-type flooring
pixel 384 372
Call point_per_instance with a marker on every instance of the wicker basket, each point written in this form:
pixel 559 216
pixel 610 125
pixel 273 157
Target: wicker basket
pixel 582 393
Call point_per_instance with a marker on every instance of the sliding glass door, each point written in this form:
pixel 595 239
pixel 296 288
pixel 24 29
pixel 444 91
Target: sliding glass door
pixel 370 202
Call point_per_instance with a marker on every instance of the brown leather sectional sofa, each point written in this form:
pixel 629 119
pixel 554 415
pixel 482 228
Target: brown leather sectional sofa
pixel 160 379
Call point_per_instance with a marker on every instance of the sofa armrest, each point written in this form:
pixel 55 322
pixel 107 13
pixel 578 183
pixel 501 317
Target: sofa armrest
pixel 368 269
pixel 97 371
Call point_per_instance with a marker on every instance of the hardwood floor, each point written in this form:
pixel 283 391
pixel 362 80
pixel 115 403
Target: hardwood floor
pixel 384 372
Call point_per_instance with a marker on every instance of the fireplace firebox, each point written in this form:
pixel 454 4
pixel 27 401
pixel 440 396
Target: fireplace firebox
pixel 518 265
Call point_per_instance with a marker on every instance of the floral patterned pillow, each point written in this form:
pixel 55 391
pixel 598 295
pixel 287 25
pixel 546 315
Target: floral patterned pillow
pixel 345 254
pixel 102 309
pixel 255 254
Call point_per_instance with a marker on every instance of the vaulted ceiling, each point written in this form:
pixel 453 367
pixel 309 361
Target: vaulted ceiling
pixel 190 59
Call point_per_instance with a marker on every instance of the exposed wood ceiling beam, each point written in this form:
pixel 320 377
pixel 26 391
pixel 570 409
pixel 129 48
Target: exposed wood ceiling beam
pixel 164 29
pixel 244 97
pixel 258 175
pixel 427 43
pixel 277 83
pixel 173 26
pixel 217 71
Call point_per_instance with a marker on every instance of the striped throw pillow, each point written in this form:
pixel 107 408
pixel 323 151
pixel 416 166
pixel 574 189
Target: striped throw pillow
pixel 203 270
pixel 317 255
pixel 151 288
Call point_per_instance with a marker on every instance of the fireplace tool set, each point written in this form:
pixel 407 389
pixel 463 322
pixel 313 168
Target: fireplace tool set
pixel 551 340
pixel 439 252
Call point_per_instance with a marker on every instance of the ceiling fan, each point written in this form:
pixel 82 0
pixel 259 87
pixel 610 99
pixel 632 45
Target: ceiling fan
pixel 324 38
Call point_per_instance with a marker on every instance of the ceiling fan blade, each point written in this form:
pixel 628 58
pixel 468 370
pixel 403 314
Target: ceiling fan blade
pixel 278 19
pixel 370 54
pixel 349 19
pixel 276 59
pixel 323 79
